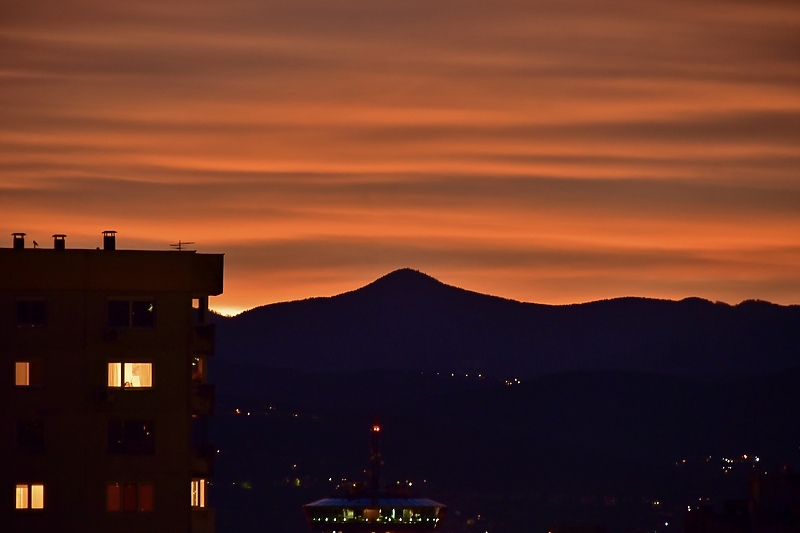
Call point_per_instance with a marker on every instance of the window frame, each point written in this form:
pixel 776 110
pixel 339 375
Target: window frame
pixel 198 493
pixel 124 437
pixel 114 317
pixel 122 376
pixel 121 500
pixel 30 497
pixel 34 373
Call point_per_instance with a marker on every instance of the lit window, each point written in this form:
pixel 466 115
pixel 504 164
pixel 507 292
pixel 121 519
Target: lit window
pixel 31 312
pixel 131 313
pixel 129 497
pixel 199 492
pixel 37 496
pixel 28 373
pixel 130 375
pixel 22 496
pixel 199 311
pixel 30 496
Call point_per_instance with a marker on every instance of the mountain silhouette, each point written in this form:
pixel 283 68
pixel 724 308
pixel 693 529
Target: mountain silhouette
pixel 614 400
pixel 407 320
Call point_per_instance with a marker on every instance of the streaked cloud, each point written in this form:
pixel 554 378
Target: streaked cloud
pixel 553 151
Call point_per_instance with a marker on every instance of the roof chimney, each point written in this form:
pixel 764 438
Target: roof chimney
pixel 59 242
pixel 19 241
pixel 109 239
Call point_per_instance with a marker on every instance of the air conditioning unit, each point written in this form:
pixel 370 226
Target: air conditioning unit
pixel 103 395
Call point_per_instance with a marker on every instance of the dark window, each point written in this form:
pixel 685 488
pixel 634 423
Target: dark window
pixel 142 314
pixel 146 500
pixel 31 313
pixel 131 436
pixel 30 435
pixel 114 497
pixel 118 314
pixel 131 314
pixel 129 492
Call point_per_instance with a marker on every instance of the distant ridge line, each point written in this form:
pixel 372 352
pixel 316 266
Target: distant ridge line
pixel 408 320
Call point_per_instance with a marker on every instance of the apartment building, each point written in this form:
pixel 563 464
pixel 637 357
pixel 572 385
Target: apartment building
pixel 103 388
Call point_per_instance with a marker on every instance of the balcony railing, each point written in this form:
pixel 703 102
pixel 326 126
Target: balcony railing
pixel 203 339
pixel 202 461
pixel 203 519
pixel 203 399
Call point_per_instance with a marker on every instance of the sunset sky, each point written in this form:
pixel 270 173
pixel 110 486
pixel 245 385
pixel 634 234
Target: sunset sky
pixel 546 151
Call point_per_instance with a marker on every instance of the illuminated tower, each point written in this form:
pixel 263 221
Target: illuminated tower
pixel 103 391
pixel 374 510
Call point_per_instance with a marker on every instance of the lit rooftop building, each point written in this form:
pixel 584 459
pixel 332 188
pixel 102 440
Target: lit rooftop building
pixel 373 510
pixel 386 514
pixel 103 387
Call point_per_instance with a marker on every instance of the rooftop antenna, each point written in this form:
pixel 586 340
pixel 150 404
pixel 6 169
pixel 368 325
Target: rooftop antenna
pixel 180 246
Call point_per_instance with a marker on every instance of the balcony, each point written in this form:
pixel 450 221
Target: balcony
pixel 202 461
pixel 203 519
pixel 203 339
pixel 203 399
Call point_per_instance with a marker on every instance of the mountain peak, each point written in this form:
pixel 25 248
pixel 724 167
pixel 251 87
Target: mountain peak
pixel 406 275
pixel 405 279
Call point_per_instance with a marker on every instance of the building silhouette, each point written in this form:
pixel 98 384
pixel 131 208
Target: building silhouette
pixel 103 388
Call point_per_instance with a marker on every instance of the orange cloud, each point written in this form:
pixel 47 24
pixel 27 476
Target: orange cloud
pixel 543 150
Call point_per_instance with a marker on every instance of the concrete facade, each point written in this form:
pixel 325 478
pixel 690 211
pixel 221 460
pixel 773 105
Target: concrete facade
pixel 103 389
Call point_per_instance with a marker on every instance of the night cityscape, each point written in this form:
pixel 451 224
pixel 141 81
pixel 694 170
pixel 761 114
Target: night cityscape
pixel 620 449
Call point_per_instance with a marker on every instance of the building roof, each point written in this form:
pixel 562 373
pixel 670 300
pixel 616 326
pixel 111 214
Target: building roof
pixel 118 270
pixel 385 501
